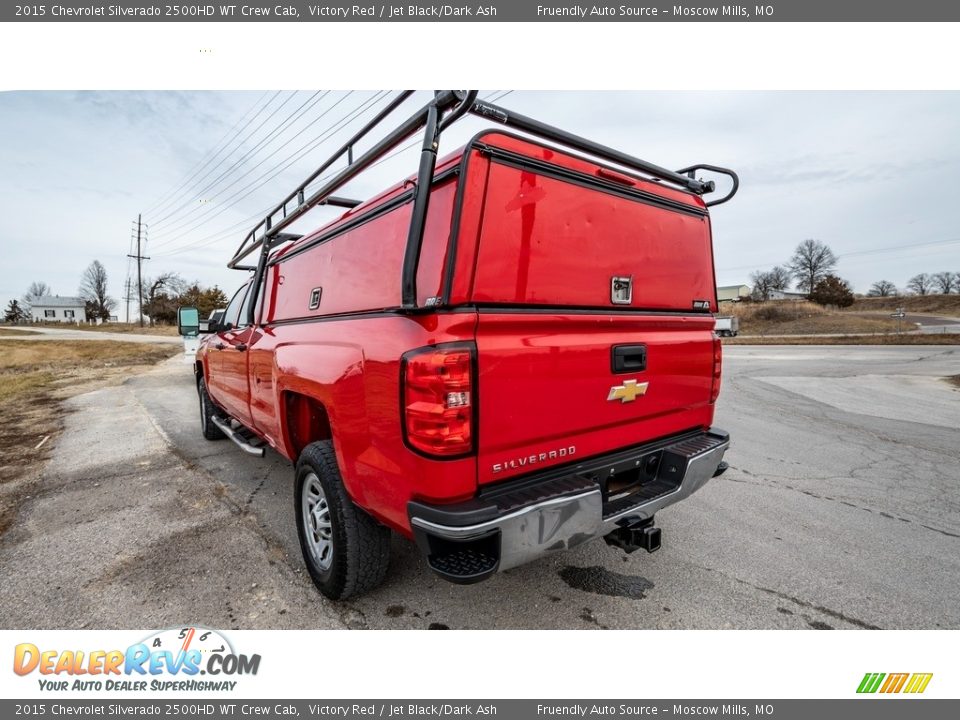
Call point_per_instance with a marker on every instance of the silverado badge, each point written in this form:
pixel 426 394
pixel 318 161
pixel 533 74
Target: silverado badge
pixel 628 392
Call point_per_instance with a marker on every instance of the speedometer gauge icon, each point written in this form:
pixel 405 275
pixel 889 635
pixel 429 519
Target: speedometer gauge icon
pixel 183 639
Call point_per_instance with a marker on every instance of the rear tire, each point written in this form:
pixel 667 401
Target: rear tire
pixel 346 551
pixel 207 411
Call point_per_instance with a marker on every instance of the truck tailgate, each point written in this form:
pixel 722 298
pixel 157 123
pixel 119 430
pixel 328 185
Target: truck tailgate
pixel 549 394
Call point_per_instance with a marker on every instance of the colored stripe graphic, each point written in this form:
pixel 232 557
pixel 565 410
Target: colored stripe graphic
pixel 894 683
pixel 918 682
pixel 870 682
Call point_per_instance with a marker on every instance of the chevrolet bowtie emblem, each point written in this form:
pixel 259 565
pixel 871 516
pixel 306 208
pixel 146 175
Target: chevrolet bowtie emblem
pixel 628 392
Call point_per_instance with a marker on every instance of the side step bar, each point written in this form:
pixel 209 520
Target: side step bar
pixel 241 439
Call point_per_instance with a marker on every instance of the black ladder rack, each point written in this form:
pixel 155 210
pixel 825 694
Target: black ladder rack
pixel 446 107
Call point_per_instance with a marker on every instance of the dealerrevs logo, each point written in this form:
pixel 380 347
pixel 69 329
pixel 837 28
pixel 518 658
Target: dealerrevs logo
pixel 166 660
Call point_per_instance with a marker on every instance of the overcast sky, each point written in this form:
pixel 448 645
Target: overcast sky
pixel 867 173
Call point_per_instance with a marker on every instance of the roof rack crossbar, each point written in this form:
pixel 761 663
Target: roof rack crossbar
pixel 529 125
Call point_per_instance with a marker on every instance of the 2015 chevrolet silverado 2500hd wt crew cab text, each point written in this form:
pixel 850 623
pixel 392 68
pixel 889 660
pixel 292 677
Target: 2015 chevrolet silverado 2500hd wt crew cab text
pixel 509 353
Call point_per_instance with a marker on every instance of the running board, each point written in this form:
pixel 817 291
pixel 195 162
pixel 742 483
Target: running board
pixel 240 440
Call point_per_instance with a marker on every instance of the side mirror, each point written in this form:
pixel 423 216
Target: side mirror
pixel 188 321
pixel 214 323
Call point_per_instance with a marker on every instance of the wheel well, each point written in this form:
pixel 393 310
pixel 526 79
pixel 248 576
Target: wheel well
pixel 307 421
pixel 198 372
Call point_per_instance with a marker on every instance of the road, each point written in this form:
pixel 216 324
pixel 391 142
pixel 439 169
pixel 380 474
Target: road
pixel 840 510
pixel 937 324
pixel 933 323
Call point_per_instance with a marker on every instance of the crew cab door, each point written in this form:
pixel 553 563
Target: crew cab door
pixel 229 385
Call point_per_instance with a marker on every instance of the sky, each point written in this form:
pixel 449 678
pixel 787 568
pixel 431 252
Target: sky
pixel 864 172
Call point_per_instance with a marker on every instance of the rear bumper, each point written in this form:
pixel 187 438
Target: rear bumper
pixel 524 519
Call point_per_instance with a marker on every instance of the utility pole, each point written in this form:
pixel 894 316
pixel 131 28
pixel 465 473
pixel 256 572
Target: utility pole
pixel 139 258
pixel 126 296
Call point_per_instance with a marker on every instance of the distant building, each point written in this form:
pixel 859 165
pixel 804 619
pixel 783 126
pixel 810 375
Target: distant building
pixel 786 295
pixel 732 293
pixel 53 308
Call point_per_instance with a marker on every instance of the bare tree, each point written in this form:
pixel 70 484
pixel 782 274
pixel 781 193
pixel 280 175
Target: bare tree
pixel 780 278
pixel 37 289
pixel 93 289
pixel 920 284
pixel 160 296
pixel 882 288
pixel 812 261
pixel 764 282
pixel 760 282
pixel 945 282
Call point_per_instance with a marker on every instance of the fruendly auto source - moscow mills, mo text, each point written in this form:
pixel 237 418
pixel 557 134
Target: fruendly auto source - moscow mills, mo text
pixel 592 11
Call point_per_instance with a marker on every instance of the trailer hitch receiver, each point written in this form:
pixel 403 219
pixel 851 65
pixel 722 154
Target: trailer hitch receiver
pixel 634 535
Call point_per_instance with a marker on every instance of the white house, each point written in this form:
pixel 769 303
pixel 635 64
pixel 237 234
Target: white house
pixel 786 295
pixel 53 308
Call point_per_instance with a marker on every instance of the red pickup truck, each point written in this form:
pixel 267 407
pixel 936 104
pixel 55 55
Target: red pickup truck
pixel 509 353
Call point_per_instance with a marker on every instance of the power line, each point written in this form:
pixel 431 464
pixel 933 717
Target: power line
pixel 222 234
pixel 184 220
pixel 205 160
pixel 244 192
pixel 191 206
pixel 321 138
pixel 234 149
pixel 854 253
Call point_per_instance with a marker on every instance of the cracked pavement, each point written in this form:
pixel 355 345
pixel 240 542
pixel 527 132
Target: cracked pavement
pixel 840 510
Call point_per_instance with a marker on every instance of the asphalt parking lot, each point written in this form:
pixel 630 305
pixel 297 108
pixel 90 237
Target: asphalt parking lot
pixel 841 510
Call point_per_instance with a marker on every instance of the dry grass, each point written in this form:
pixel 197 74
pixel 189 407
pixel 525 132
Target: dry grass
pixel 27 355
pixel 803 318
pixel 935 304
pixel 14 333
pixel 954 380
pixel 120 328
pixel 912 339
pixel 36 376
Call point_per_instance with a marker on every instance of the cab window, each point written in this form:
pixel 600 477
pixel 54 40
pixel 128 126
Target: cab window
pixel 231 317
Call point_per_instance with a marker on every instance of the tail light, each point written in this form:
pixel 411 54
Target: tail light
pixel 438 399
pixel 717 363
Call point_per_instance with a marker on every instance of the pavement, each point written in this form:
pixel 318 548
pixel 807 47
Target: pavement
pixel 41 333
pixel 840 510
pixel 933 323
pixel 936 324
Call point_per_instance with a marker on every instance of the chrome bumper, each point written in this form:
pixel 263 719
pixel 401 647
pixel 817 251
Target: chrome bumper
pixel 564 522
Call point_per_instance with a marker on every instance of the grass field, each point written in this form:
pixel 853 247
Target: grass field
pixel 116 328
pixel 14 333
pixel 802 318
pixel 36 376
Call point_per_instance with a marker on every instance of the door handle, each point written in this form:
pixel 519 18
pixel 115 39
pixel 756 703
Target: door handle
pixel 219 346
pixel 241 346
pixel 629 358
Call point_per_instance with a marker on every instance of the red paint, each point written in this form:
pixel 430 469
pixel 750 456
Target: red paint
pixel 538 252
